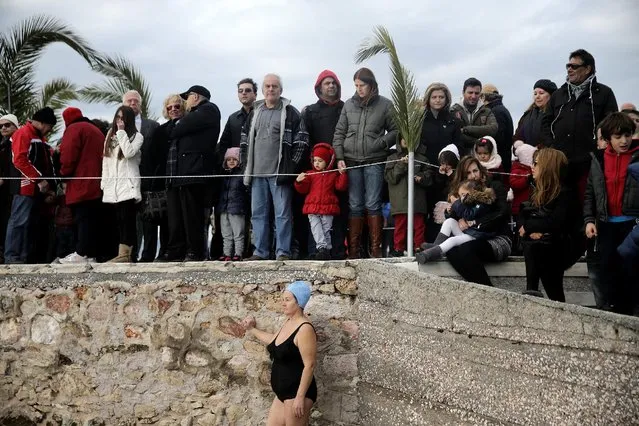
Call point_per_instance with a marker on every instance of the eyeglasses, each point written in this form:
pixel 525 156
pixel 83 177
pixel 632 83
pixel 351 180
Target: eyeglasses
pixel 173 107
pixel 6 125
pixel 244 90
pixel 574 66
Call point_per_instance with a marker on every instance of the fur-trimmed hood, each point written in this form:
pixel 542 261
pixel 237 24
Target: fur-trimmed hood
pixel 486 196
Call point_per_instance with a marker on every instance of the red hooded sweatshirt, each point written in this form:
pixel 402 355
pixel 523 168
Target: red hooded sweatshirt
pixel 31 157
pixel 615 171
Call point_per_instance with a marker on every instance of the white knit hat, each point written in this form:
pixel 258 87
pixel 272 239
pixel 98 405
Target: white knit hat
pixel 12 118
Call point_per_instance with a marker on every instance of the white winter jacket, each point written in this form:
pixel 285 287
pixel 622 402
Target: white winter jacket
pixel 114 188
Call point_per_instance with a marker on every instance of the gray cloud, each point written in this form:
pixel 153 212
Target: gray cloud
pixel 179 43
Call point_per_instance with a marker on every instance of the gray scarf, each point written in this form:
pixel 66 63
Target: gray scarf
pixel 578 89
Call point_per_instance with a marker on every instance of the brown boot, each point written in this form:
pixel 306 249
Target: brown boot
pixel 124 255
pixel 375 229
pixel 355 226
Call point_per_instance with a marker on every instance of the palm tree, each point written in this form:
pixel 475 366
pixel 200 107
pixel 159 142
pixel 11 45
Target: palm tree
pixel 20 49
pixel 408 111
pixel 122 76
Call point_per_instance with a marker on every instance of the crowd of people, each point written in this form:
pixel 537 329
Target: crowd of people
pixel 284 184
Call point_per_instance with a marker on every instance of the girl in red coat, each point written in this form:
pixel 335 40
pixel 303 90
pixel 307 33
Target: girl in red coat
pixel 321 203
pixel 521 174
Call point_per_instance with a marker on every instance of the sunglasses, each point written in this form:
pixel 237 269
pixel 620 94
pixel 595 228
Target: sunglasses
pixel 574 66
pixel 6 125
pixel 244 90
pixel 173 107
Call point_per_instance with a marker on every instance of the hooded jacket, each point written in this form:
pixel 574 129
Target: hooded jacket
pixel 320 119
pixel 320 189
pixel 31 160
pixel 474 125
pixel 233 194
pixel 81 156
pixel 611 190
pixel 292 148
pixel 571 121
pixel 396 174
pixel 365 132
pixel 629 248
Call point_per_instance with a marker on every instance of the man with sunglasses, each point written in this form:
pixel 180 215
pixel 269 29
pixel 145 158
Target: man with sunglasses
pixel 8 126
pixel 246 94
pixel 575 109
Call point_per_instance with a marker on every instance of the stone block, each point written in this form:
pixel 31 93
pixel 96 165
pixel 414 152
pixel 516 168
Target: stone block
pixel 9 331
pixel 231 326
pixel 59 303
pixel 45 330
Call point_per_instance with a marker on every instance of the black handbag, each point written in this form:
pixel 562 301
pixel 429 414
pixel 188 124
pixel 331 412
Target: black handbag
pixel 153 207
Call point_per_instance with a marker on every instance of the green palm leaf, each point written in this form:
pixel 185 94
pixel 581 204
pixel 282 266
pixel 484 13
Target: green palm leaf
pixel 121 76
pixel 20 49
pixel 408 110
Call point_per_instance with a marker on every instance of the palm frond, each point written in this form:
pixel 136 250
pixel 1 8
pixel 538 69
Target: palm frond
pixel 20 48
pixel 121 76
pixel 58 93
pixel 407 111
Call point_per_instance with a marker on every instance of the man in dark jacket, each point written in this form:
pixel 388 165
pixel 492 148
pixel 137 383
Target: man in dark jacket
pixel 574 111
pixel 476 120
pixel 81 156
pixel 8 125
pixel 191 153
pixel 318 124
pixel 271 153
pixel 504 137
pixel 246 94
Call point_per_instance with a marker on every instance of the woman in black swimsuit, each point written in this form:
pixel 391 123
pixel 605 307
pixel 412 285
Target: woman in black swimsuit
pixel 293 351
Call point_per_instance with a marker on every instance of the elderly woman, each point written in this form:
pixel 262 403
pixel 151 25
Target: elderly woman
pixel 468 259
pixel 529 129
pixel 293 351
pixel 364 135
pixel 154 163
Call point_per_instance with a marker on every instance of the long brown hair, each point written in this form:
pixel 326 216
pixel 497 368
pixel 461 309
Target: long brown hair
pixel 461 174
pixel 549 164
pixel 128 116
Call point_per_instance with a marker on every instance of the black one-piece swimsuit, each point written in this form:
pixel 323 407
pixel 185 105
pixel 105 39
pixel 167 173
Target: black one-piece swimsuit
pixel 286 372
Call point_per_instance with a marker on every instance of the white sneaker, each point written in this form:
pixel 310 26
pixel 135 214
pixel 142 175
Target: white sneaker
pixel 73 258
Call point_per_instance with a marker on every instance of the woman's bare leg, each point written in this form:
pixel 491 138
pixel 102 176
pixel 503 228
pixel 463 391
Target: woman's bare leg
pixel 291 419
pixel 276 415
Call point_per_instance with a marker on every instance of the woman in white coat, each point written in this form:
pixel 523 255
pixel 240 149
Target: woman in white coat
pixel 121 177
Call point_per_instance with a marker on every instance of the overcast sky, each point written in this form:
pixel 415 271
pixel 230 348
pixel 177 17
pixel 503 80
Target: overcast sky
pixel 176 44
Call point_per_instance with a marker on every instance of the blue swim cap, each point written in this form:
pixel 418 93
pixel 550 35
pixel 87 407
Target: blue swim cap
pixel 301 290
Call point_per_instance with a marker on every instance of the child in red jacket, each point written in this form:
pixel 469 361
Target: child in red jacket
pixel 321 202
pixel 521 174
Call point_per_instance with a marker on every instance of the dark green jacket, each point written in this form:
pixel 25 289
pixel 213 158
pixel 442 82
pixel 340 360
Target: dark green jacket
pixel 396 174
pixel 480 123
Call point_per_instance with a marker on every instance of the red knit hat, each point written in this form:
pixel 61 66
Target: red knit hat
pixel 70 115
pixel 325 152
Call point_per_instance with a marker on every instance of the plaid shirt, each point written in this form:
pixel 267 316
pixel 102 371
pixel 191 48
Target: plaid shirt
pixel 171 162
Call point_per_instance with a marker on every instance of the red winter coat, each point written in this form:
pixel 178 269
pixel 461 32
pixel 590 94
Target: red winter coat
pixel 520 184
pixel 81 156
pixel 321 187
pixel 31 157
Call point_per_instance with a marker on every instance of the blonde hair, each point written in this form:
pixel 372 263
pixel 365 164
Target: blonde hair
pixel 171 99
pixel 549 163
pixel 437 86
pixel 132 92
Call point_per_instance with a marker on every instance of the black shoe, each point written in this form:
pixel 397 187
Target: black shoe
pixel 396 253
pixel 255 258
pixel 535 293
pixel 192 257
pixel 323 254
pixel 168 258
pixel 283 257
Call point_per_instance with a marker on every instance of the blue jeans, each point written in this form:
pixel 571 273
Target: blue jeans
pixel 16 245
pixel 263 192
pixel 365 185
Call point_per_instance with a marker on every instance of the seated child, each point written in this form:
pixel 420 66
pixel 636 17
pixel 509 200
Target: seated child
pixel 437 193
pixel 485 150
pixel 321 202
pixel 474 202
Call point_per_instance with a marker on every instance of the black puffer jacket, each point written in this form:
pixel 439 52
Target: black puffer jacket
pixel 437 133
pixel 497 220
pixel 596 196
pixel 505 131
pixel 154 153
pixel 233 194
pixel 572 121
pixel 196 135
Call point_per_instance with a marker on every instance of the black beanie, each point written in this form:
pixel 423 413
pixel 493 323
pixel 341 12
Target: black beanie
pixel 45 115
pixel 546 85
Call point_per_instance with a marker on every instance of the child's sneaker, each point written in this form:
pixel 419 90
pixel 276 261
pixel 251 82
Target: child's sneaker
pixel 224 258
pixel 73 258
pixel 236 258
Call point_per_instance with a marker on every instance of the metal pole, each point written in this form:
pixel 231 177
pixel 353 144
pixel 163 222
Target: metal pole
pixel 411 201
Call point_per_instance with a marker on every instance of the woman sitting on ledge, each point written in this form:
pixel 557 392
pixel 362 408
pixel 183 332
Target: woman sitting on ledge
pixel 293 351
pixel 468 259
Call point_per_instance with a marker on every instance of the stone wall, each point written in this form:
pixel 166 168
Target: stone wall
pixel 437 351
pixel 160 344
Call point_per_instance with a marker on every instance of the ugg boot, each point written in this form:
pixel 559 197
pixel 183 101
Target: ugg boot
pixel 429 255
pixel 375 230
pixel 355 226
pixel 440 238
pixel 124 255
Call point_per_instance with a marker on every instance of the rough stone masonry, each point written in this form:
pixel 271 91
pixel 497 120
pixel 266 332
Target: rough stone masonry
pixel 161 344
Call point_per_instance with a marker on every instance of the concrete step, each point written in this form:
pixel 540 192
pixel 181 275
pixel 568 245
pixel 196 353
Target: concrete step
pixel 511 275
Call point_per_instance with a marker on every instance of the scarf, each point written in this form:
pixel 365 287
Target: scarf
pixel 578 89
